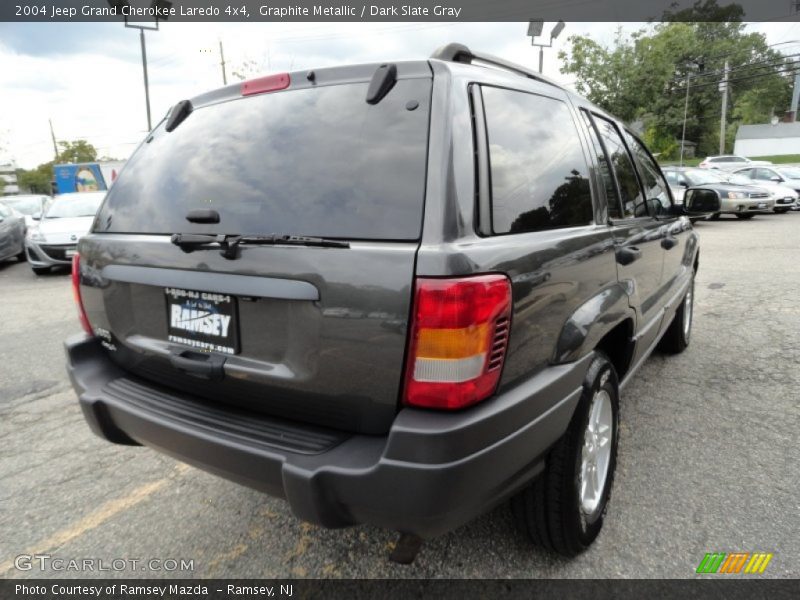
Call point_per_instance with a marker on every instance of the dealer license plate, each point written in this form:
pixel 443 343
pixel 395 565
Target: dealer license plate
pixel 203 320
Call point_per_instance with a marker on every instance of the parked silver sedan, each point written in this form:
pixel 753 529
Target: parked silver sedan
pixel 743 201
pixel 31 206
pixel 53 241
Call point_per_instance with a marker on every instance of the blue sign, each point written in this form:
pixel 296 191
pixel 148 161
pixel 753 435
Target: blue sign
pixel 83 177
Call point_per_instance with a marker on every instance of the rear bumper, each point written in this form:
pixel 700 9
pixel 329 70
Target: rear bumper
pixel 430 474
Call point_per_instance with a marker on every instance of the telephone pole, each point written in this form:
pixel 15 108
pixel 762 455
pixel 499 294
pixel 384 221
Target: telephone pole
pixel 222 64
pixel 723 87
pixel 53 135
pixel 685 113
pixel 146 81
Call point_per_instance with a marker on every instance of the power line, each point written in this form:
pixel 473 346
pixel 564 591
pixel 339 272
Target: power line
pixel 772 62
pixel 791 69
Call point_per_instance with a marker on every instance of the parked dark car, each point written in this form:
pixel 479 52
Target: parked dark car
pixel 12 233
pixel 417 292
pixel 744 201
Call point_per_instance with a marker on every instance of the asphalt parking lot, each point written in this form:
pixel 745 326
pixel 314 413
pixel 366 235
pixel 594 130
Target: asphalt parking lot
pixel 709 454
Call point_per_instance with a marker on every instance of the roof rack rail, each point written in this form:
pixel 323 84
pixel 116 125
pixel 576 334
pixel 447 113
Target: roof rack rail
pixel 460 53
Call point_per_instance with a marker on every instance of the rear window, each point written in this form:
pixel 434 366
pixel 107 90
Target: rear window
pixel 317 162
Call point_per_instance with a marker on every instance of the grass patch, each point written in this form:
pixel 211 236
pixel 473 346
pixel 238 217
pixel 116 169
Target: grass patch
pixel 780 159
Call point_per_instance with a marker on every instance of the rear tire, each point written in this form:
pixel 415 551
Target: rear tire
pixel 41 270
pixel 745 216
pixel 563 509
pixel 679 332
pixel 21 256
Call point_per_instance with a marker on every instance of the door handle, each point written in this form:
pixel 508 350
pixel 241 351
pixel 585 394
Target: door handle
pixel 628 254
pixel 198 364
pixel 669 242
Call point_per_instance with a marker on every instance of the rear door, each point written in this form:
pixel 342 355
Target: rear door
pixel 310 333
pixel 637 233
pixel 674 229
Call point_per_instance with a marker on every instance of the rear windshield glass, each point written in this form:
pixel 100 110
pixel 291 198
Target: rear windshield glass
pixel 318 162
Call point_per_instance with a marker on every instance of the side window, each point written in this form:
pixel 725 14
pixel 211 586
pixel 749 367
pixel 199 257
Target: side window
pixel 612 196
pixel 631 194
pixel 747 173
pixel 763 174
pixel 655 186
pixel 4 212
pixel 539 175
pixel 672 177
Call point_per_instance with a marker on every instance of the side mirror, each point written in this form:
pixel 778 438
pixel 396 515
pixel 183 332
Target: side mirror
pixel 683 183
pixel 776 179
pixel 701 201
pixel 36 216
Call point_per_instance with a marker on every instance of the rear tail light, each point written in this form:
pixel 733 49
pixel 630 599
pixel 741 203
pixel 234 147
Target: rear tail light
pixel 76 293
pixel 459 335
pixel 270 83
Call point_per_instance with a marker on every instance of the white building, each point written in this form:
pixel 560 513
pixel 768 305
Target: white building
pixel 767 140
pixel 8 173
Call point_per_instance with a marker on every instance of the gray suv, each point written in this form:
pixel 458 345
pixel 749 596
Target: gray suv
pixel 394 294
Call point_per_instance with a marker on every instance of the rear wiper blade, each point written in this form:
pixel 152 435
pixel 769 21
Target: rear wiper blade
pixel 229 244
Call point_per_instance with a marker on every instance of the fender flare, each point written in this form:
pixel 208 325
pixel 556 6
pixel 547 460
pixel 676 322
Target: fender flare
pixel 591 321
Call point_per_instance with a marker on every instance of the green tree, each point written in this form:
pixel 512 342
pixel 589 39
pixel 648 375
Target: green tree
pixel 642 76
pixel 36 181
pixel 77 151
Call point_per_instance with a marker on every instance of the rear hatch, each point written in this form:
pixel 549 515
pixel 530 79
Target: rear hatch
pixel 314 330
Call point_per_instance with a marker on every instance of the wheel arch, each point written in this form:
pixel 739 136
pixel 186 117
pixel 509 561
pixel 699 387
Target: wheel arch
pixel 605 322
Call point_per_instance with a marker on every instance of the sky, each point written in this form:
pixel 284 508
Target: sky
pixel 87 77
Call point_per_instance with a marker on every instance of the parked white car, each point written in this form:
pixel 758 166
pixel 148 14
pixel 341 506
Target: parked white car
pixel 729 162
pixel 53 241
pixel 786 198
pixel 785 176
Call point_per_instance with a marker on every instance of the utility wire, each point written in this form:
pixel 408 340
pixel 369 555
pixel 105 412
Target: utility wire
pixel 773 62
pixel 794 68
